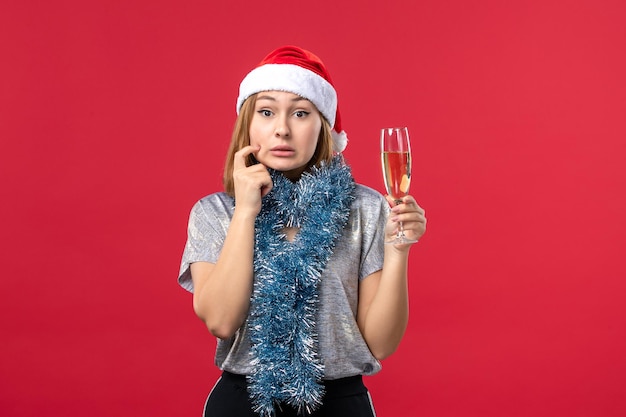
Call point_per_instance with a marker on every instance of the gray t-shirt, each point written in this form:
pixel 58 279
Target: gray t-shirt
pixel 358 254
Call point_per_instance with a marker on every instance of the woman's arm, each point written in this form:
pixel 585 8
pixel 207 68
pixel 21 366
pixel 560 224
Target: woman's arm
pixel 222 290
pixel 383 309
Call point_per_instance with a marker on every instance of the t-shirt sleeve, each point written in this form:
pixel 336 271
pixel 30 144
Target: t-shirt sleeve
pixel 375 212
pixel 205 238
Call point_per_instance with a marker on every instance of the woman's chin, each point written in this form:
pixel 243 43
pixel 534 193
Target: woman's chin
pixel 283 164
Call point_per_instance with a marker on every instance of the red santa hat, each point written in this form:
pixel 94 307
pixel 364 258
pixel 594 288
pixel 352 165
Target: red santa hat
pixel 297 71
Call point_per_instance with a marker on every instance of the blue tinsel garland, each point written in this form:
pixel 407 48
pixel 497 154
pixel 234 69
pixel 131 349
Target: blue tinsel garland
pixel 286 364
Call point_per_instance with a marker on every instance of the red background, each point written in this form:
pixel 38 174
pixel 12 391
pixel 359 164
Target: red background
pixel 114 119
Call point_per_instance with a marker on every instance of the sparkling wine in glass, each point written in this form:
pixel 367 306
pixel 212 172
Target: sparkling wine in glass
pixel 395 152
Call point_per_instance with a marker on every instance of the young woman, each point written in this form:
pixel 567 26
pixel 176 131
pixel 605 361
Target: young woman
pixel 287 267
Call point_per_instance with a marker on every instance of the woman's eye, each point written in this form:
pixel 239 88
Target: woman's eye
pixel 266 113
pixel 301 113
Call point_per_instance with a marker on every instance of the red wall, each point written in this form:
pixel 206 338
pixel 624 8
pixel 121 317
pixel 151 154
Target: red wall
pixel 114 119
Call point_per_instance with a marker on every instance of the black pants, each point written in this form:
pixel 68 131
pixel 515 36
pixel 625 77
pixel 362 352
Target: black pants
pixel 346 397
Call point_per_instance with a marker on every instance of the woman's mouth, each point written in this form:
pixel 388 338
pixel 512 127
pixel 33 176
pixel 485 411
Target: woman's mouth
pixel 282 151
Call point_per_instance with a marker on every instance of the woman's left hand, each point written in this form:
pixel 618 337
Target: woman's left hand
pixel 412 216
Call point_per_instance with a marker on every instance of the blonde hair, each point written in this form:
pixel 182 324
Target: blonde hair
pixel 241 138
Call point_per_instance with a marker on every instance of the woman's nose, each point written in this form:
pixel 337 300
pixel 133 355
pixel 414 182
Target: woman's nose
pixel 282 128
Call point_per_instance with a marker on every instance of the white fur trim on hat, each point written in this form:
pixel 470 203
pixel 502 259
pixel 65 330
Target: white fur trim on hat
pixel 293 79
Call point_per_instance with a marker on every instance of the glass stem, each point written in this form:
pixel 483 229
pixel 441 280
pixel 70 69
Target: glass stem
pixel 400 225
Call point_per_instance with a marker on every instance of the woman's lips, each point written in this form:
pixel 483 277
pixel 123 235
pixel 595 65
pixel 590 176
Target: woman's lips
pixel 282 151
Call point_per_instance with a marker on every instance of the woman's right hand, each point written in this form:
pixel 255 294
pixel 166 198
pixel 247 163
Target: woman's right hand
pixel 251 183
pixel 222 290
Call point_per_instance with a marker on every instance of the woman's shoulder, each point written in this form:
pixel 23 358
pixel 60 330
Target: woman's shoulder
pixel 369 202
pixel 215 197
pixel 215 202
pixel 367 194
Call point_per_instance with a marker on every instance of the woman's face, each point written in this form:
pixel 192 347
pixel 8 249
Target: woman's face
pixel 286 127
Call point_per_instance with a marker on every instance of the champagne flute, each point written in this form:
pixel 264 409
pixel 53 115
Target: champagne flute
pixel 395 153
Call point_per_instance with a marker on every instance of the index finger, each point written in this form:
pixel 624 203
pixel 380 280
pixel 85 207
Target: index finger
pixel 410 200
pixel 239 161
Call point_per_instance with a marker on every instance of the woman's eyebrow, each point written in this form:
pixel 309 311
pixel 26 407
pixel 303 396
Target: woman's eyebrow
pixel 267 97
